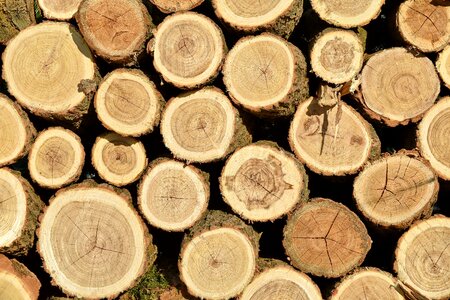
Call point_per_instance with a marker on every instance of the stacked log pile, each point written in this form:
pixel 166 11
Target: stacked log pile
pixel 225 149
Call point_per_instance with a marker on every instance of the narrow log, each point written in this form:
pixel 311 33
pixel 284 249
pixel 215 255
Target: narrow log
pixel 56 158
pixel 43 66
pixel 396 190
pixel 188 50
pixel 266 75
pixel 62 10
pixel 20 208
pixel 173 196
pixel 16 132
pixel 128 103
pixel 332 140
pixel 92 242
pixel 16 281
pixel 279 17
pixel 262 182
pixel 171 6
pixel 398 87
pixel 422 258
pixel 15 16
pixel 337 55
pixel 202 126
pixel 115 30
pixel 432 137
pixel 218 256
pixel 443 66
pixel 348 13
pixel 118 160
pixel 367 283
pixel 424 24
pixel 325 238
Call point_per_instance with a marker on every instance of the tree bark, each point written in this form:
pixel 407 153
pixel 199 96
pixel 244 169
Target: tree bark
pixel 15 15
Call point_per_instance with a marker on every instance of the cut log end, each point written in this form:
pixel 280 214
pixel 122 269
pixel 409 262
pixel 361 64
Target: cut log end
pixel 281 282
pixel 262 182
pixel 432 136
pixel 171 6
pixel 16 281
pixel 348 13
pixel 189 49
pixel 443 66
pixel 59 9
pixel 130 89
pixel 424 24
pixel 326 239
pixel 428 274
pixel 337 55
pixel 253 80
pixel 172 195
pixel 118 160
pixel 332 141
pixel 399 87
pixel 396 190
pixel 93 244
pixel 116 30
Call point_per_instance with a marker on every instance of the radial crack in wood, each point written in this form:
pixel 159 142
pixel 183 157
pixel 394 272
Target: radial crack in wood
pixel 59 9
pixel 443 66
pixel 171 6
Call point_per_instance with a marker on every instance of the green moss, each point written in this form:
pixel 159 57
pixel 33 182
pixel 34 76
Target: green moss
pixel 149 288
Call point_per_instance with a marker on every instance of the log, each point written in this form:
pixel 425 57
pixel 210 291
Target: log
pixel 325 238
pixel 218 256
pixel 348 13
pixel 424 25
pixel 262 182
pixel 188 50
pixel 398 87
pixel 116 30
pixel 16 132
pixel 202 126
pixel 173 196
pixel 20 208
pixel 43 66
pixel 337 55
pixel 443 66
pixel 118 160
pixel 266 75
pixel 62 10
pixel 56 158
pixel 172 6
pixel 279 17
pixel 332 141
pixel 367 283
pixel 422 258
pixel 128 103
pixel 432 137
pixel 15 16
pixel 92 242
pixel 16 281
pixel 396 190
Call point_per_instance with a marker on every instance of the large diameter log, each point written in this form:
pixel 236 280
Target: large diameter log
pixel 348 13
pixel 443 66
pixel 332 140
pixel 43 66
pixel 20 208
pixel 171 6
pixel 188 50
pixel 396 190
pixel 115 30
pixel 433 137
pixel 325 238
pixel 173 196
pixel 128 103
pixel 62 10
pixel 92 242
pixel 279 17
pixel 266 75
pixel 422 258
pixel 367 283
pixel 262 182
pixel 16 281
pixel 424 24
pixel 15 16
pixel 398 87
pixel 56 158
pixel 16 132
pixel 218 256
pixel 202 126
